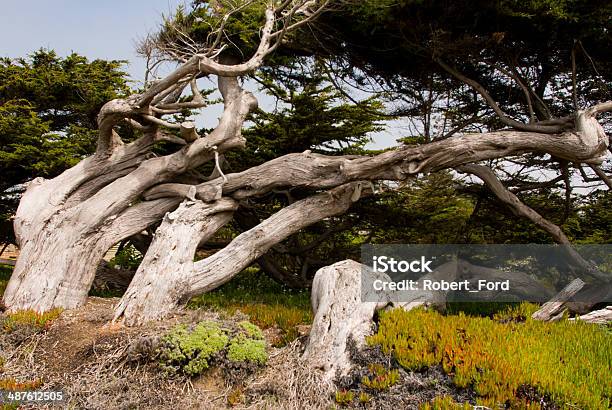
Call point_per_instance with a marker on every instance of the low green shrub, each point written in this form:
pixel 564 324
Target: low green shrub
pixel 192 351
pixel 482 309
pixel 251 330
pixel 568 362
pixel 246 349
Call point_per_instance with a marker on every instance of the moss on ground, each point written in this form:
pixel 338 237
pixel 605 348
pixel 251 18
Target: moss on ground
pixel 565 362
pixel 246 349
pixel 251 330
pixel 192 351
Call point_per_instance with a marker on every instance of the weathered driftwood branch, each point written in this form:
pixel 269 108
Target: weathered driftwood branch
pixel 601 316
pixel 250 245
pixel 553 309
pixel 523 286
pixel 590 295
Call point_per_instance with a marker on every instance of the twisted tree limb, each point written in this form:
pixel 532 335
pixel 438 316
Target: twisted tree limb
pixel 520 209
pixel 159 286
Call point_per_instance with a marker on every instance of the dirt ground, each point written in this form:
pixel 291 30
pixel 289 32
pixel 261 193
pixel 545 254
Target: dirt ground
pixel 95 363
pixel 100 365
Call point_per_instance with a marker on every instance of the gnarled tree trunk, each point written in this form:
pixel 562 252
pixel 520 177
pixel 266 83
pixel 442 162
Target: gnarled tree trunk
pixel 66 224
pixel 146 299
pixel 162 278
pixel 62 248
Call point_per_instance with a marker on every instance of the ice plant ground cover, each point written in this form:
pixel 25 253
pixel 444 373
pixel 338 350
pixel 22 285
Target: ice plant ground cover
pixel 566 362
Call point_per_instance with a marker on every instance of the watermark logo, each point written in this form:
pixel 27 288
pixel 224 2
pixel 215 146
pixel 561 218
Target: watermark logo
pixel 486 273
pixel 385 264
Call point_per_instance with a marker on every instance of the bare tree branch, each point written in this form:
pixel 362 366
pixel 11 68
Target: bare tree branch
pixel 601 174
pixel 549 129
pixel 520 209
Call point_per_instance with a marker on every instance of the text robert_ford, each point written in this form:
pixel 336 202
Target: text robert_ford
pixel 384 264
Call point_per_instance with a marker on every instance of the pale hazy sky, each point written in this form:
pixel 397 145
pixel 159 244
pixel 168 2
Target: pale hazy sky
pixel 106 29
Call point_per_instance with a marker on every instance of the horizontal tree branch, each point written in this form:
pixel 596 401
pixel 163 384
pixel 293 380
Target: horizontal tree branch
pixel 219 268
pixel 317 171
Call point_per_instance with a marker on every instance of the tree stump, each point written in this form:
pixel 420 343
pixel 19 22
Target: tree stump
pixel 340 315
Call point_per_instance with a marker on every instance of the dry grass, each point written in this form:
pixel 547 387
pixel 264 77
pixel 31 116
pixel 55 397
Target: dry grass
pixel 288 384
pixel 94 364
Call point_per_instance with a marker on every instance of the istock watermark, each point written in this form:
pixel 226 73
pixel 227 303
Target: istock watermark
pixel 487 273
pixel 385 264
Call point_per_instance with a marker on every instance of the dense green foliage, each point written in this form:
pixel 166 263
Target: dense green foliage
pixel 48 109
pixel 569 362
pixel 398 42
